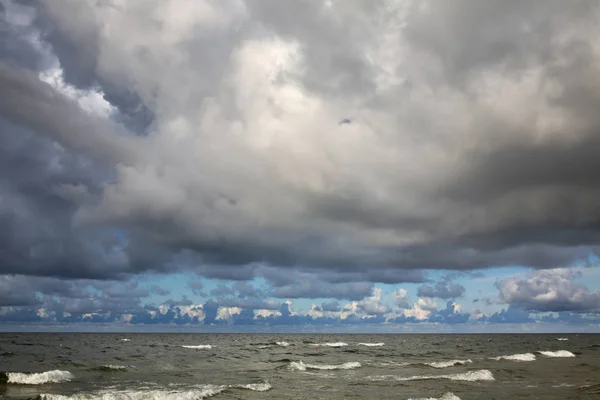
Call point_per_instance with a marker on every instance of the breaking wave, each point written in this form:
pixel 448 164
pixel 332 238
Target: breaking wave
pixel 516 357
pixel 562 339
pixel 331 344
pixel 301 366
pixel 196 393
pixel 125 340
pixel 471 376
pixel 41 378
pixel 558 353
pixel 282 344
pixel 446 364
pixel 200 346
pixel 371 344
pixel 445 396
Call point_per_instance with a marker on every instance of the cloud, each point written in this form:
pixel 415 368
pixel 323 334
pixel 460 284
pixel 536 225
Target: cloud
pixel 196 287
pixel 399 297
pixel 214 144
pixel 442 291
pixel 333 306
pixel 509 316
pixel 320 289
pixel 549 290
pixel 373 305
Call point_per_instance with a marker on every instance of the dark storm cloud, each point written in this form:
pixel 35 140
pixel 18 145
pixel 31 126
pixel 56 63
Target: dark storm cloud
pixel 506 180
pixel 442 291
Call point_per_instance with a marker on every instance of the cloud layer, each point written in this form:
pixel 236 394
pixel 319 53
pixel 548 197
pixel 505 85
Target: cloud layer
pixel 324 147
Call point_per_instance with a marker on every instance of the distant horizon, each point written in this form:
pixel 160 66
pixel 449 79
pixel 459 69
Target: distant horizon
pixel 376 330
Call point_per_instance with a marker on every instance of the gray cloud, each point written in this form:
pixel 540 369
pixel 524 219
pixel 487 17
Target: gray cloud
pixel 159 290
pixel 224 153
pixel 319 289
pixel 442 291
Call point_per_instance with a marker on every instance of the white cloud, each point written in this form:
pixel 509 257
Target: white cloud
pixel 549 290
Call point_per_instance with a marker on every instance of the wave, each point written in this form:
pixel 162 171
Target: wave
pixel 558 353
pixel 196 393
pixel 21 378
pixel 257 387
pixel 125 340
pixel 371 344
pixel 301 366
pixel 562 339
pixel 446 364
pixel 200 346
pixel 112 368
pixel 445 396
pixel 516 357
pixel 282 344
pixel 331 344
pixel 471 376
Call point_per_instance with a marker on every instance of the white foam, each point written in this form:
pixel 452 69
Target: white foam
pixel 115 367
pixel 371 344
pixel 449 363
pixel 125 340
pixel 471 376
pixel 562 339
pixel 559 353
pixel 282 344
pixel 257 387
pixel 445 396
pixel 195 393
pixel 331 344
pixel 301 366
pixel 200 346
pixel 55 376
pixel 516 357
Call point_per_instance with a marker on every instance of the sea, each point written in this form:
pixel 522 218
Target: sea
pixel 298 366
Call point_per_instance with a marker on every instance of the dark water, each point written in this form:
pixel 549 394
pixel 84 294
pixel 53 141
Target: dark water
pixel 246 366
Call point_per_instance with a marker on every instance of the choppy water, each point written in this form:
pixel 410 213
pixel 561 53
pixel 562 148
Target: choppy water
pixel 260 366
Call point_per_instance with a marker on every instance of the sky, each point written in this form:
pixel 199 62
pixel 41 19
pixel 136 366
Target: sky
pixel 310 166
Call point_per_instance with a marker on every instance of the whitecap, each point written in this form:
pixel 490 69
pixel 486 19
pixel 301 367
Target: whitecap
pixel 516 357
pixel 257 387
pixel 125 340
pixel 331 344
pixel 471 376
pixel 301 366
pixel 195 393
pixel 282 344
pixel 559 353
pixel 371 344
pixel 445 396
pixel 562 339
pixel 200 346
pixel 55 376
pixel 449 363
